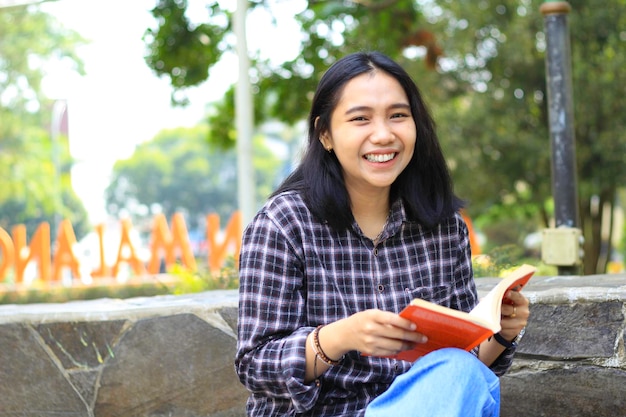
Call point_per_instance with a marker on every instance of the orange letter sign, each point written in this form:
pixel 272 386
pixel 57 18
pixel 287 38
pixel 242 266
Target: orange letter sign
pixel 129 255
pixel 7 253
pixel 64 255
pixel 166 242
pixel 232 236
pixel 39 250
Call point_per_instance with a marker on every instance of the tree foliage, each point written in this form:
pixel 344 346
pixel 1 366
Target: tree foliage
pixel 599 54
pixel 178 172
pixel 182 50
pixel 505 117
pixel 35 169
pixel 481 66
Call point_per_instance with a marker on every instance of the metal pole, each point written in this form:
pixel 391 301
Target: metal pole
pixel 58 111
pixel 244 118
pixel 561 119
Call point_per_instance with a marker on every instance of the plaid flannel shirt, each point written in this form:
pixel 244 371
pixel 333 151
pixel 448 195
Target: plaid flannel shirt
pixel 296 273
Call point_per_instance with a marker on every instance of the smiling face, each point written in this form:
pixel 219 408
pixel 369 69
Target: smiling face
pixel 372 132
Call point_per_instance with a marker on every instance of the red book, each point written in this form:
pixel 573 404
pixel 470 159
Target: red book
pixel 446 327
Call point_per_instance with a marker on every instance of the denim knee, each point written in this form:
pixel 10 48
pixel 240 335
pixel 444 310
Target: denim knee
pixel 447 382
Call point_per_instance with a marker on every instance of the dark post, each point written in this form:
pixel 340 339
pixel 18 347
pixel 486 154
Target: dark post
pixel 561 119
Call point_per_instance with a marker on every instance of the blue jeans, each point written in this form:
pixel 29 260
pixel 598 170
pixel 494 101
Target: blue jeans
pixel 445 383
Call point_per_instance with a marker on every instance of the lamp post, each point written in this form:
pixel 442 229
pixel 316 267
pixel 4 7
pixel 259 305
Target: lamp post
pixel 243 118
pixel 59 114
pixel 562 141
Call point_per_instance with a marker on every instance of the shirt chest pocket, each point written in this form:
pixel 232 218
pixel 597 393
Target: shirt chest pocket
pixel 438 294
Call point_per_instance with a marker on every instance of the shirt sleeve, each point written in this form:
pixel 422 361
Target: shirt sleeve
pixel 272 331
pixel 501 365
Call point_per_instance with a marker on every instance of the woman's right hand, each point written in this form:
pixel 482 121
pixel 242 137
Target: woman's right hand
pixel 372 332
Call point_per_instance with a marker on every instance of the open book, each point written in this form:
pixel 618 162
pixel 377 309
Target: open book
pixel 446 327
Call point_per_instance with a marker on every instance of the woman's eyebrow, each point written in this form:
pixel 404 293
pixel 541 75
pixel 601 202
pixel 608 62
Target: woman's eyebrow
pixel 357 109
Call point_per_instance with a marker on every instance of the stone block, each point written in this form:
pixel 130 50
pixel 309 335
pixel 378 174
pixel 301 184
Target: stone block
pixel 576 391
pixel 32 382
pixel 175 365
pixel 144 357
pixel 229 314
pixel 82 345
pixel 573 331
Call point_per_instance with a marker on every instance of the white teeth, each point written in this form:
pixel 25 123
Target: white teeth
pixel 380 157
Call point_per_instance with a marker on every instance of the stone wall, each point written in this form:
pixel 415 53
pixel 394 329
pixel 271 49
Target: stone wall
pixel 155 356
pixel 173 355
pixel 572 361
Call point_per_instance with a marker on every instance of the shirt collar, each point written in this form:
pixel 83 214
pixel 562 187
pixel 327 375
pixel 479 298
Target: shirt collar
pixel 397 216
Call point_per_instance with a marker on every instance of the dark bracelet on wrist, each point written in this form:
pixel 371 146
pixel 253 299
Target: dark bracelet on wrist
pixel 506 343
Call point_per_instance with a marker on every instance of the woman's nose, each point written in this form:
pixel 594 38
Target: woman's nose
pixel 382 132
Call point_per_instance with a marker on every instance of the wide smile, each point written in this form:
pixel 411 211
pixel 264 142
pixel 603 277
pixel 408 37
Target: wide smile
pixel 380 157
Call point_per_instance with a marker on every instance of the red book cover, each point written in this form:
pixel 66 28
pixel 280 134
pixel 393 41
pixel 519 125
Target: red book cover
pixel 446 327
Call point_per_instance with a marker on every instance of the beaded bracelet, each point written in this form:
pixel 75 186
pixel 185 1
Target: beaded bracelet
pixel 319 352
pixel 315 376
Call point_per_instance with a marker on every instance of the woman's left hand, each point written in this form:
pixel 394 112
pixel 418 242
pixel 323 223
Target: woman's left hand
pixel 515 314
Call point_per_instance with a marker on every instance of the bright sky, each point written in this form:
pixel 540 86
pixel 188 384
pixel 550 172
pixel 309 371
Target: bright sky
pixel 120 102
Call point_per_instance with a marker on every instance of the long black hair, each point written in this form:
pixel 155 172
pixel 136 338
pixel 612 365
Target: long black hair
pixel 425 184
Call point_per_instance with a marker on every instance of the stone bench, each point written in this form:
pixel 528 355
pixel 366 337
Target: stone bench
pixel 173 355
pixel 572 361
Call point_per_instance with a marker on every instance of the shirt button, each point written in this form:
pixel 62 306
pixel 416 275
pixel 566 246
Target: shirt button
pixel 375 251
pixel 381 288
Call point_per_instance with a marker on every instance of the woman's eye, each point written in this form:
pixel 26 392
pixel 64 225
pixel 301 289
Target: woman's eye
pixel 398 115
pixel 358 119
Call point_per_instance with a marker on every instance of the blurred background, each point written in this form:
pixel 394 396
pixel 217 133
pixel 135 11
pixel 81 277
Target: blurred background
pixel 116 109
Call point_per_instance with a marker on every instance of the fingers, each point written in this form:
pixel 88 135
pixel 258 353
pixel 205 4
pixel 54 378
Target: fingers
pixel 516 298
pixel 514 304
pixel 384 334
pixel 392 326
pixel 515 313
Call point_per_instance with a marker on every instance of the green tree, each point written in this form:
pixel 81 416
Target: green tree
pixel 502 125
pixel 178 172
pixel 496 134
pixel 184 51
pixel 35 171
pixel 488 94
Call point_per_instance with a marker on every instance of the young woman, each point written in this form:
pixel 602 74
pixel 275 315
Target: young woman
pixel 367 222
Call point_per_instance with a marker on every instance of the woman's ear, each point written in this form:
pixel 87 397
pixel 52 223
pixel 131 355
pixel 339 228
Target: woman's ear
pixel 325 140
